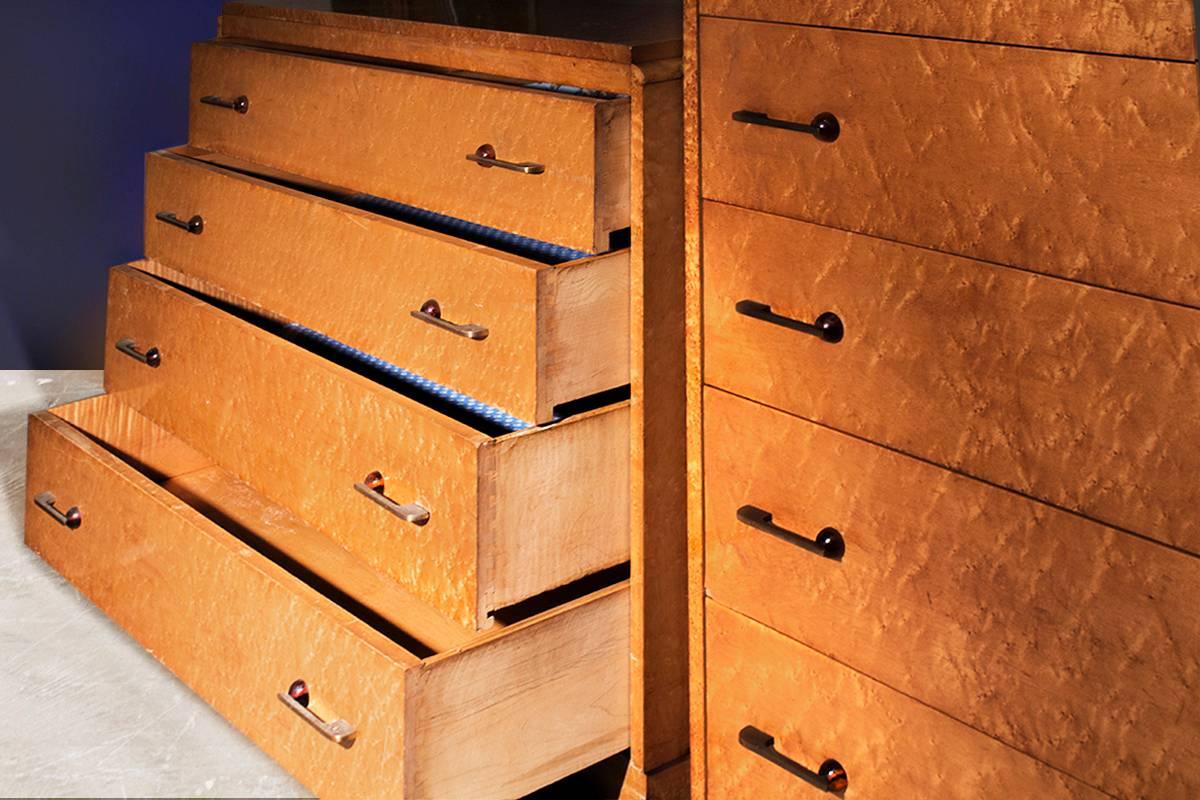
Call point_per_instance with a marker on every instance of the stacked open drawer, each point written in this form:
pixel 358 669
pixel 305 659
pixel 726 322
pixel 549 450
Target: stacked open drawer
pixel 360 477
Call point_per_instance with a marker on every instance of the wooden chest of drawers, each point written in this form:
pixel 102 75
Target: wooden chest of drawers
pixel 370 468
pixel 943 333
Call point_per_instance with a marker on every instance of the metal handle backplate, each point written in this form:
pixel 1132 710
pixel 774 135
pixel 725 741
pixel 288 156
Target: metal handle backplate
pixel 338 731
pixel 240 104
pixel 431 312
pixel 828 542
pixel 824 126
pixel 485 156
pixel 151 358
pixel 372 487
pixel 194 224
pixel 828 326
pixel 829 777
pixel 72 518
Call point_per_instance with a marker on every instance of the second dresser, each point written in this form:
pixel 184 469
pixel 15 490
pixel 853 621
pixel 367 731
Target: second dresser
pixel 945 334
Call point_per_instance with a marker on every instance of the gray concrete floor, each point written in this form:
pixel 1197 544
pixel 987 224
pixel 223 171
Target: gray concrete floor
pixel 87 712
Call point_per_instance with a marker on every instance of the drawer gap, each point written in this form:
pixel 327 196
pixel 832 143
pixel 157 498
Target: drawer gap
pixel 531 607
pixel 493 238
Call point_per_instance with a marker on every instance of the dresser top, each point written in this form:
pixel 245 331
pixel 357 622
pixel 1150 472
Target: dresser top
pixel 619 31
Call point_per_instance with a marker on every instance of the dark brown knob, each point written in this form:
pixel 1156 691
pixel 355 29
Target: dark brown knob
pixel 298 691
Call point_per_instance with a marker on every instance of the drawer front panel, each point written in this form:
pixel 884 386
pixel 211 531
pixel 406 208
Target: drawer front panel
pixel 234 627
pixel 1082 166
pixel 1155 28
pixel 553 334
pixel 304 431
pixel 993 371
pixel 817 709
pixel 996 609
pixel 406 136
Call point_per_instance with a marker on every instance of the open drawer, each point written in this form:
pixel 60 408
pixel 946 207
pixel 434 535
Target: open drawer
pixel 517 325
pixel 469 521
pixel 238 611
pixel 545 164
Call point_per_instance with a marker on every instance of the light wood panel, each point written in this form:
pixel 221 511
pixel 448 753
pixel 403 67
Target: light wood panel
pixel 1069 393
pixel 404 151
pixel 555 334
pixel 1032 624
pixel 1155 28
pixel 1082 166
pixel 164 573
pixel 890 745
pixel 303 431
pixel 658 488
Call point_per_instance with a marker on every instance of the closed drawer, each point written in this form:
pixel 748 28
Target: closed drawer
pixel 406 136
pixel 816 709
pixel 1082 166
pixel 1069 393
pixel 506 516
pixel 1156 28
pixel 239 630
pixel 1031 624
pixel 524 336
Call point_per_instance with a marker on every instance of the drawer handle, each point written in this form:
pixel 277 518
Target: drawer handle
pixel 240 104
pixel 72 519
pixel 829 777
pixel 827 544
pixel 485 156
pixel 194 225
pixel 296 698
pixel 827 328
pixel 372 487
pixel 824 126
pixel 431 312
pixel 151 358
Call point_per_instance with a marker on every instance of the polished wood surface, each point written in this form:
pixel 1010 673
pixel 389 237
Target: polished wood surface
pixel 1031 624
pixel 555 334
pixel 658 489
pixel 1082 166
pixel 1155 28
pixel 299 104
pixel 889 744
pixel 302 431
pixel 163 572
pixel 1059 390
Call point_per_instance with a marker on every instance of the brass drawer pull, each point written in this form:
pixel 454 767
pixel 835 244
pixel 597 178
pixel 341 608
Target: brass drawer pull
pixel 72 519
pixel 824 126
pixel 296 698
pixel 829 777
pixel 827 544
pixel 485 156
pixel 240 104
pixel 372 487
pixel 193 225
pixel 151 358
pixel 431 312
pixel 827 328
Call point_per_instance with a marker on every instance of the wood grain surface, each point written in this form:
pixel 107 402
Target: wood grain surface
pixel 555 334
pixel 1077 395
pixel 658 451
pixel 303 431
pixel 1031 624
pixel 163 573
pixel 889 744
pixel 1155 28
pixel 1082 166
pixel 299 104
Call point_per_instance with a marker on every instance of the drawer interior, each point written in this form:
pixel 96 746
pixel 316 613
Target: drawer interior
pixel 287 541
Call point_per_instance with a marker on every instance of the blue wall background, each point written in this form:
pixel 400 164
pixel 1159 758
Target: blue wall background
pixel 92 86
